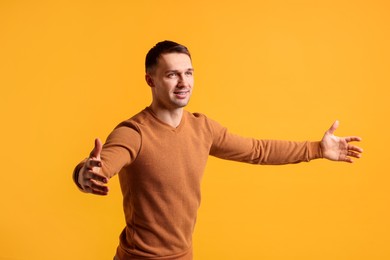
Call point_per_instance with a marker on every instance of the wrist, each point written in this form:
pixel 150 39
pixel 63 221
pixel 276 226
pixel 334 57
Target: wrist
pixel 315 150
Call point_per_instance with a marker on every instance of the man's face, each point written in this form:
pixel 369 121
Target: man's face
pixel 171 81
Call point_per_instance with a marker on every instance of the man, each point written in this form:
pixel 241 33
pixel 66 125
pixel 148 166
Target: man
pixel 160 155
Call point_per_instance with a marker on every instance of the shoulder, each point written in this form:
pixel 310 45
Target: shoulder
pixel 203 121
pixel 130 127
pixel 196 118
pixel 128 131
pixel 134 121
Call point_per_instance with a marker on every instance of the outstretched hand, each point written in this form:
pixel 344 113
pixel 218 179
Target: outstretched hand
pixel 90 178
pixel 339 148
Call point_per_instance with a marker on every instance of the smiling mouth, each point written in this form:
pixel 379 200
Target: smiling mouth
pixel 181 92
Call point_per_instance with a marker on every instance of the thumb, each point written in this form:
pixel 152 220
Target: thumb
pixel 333 128
pixel 97 149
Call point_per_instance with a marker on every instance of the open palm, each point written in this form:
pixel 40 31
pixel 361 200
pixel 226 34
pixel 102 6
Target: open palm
pixel 339 148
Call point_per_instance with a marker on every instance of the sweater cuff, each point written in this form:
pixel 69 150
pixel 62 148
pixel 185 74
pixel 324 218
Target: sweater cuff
pixel 315 151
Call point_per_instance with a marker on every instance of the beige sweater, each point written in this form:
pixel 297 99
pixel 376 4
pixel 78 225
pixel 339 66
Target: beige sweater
pixel 160 171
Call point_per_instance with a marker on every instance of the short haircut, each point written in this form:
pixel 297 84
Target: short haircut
pixel 163 48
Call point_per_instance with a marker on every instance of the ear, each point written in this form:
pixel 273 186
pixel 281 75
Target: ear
pixel 149 80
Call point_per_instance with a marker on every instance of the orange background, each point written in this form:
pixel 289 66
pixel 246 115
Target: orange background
pixel 71 70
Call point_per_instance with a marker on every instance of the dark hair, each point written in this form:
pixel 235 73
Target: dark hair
pixel 162 48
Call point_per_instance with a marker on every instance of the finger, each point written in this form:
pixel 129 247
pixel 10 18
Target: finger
pixel 355 148
pixel 98 189
pixel 354 154
pixel 348 160
pixel 101 193
pixel 91 175
pixel 98 186
pixel 96 192
pixel 353 139
pixel 93 186
pixel 95 153
pixel 93 163
pixel 333 128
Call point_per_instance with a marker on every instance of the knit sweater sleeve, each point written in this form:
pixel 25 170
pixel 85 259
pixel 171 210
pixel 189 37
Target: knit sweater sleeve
pixel 120 149
pixel 229 146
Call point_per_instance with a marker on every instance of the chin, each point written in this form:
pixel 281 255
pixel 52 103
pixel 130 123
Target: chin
pixel 182 104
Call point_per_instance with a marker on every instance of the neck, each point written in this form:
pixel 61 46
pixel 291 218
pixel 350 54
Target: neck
pixel 168 116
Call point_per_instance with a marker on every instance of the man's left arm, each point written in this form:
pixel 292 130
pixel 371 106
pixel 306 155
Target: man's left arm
pixel 276 152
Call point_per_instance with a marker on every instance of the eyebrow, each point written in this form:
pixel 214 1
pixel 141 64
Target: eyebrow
pixel 189 69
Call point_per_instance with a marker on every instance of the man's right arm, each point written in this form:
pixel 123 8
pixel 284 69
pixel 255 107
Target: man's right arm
pixel 121 148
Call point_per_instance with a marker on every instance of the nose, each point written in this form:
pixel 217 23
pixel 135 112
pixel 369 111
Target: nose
pixel 183 81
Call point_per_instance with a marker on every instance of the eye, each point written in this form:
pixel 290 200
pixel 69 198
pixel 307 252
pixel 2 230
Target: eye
pixel 189 73
pixel 172 75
